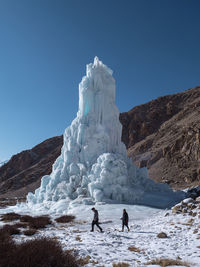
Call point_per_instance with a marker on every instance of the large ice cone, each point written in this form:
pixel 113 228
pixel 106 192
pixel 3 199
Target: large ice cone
pixel 93 165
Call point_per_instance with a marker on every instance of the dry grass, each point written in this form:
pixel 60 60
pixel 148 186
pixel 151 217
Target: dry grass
pixel 10 229
pixel 121 264
pixel 78 238
pixel 84 261
pixel 65 219
pixel 4 235
pixel 6 245
pixel 76 231
pixel 79 231
pixel 42 252
pixel 29 232
pixel 187 224
pixel 20 225
pixel 168 262
pixel 190 221
pixel 12 216
pixel 81 222
pixel 134 249
pixel 94 262
pixel 36 222
pixel 4 202
pixel 26 218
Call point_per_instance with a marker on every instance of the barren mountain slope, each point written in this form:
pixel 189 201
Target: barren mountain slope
pixel 23 172
pixel 164 136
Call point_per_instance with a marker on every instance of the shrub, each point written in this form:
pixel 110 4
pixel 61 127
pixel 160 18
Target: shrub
pixel 168 262
pixel 4 235
pixel 121 264
pixel 6 245
pixel 26 218
pixel 20 225
pixel 42 252
pixel 78 238
pixel 12 216
pixel 65 219
pixel 134 249
pixel 36 222
pixel 84 261
pixel 4 202
pixel 40 222
pixel 10 229
pixel 30 232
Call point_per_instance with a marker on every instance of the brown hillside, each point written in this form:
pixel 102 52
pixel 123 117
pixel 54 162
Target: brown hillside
pixel 164 136
pixel 23 172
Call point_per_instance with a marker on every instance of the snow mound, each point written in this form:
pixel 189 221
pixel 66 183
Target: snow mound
pixel 93 165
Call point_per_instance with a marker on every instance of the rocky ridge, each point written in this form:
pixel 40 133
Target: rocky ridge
pixel 188 205
pixel 164 136
pixel 23 172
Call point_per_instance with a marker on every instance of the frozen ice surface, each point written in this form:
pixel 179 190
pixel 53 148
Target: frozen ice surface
pixel 93 165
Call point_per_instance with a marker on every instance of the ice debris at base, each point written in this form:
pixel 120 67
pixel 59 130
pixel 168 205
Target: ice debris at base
pixel 93 165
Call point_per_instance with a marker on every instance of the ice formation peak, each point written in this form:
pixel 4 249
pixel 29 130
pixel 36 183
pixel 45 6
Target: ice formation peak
pixel 97 61
pixel 96 91
pixel 97 66
pixel 93 165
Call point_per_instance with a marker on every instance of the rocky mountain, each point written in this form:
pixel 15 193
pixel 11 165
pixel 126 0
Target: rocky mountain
pixel 162 135
pixel 23 172
pixel 3 162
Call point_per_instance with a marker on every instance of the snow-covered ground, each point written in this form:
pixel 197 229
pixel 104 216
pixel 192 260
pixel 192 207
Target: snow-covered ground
pixel 112 246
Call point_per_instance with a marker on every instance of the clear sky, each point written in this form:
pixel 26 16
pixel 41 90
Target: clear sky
pixel 153 47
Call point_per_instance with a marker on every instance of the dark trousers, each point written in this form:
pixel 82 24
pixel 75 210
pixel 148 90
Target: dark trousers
pixel 125 224
pixel 97 224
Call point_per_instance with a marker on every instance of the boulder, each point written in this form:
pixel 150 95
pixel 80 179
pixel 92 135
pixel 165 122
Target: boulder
pixel 177 208
pixel 162 235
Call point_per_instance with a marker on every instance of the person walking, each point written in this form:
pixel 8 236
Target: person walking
pixel 125 220
pixel 95 220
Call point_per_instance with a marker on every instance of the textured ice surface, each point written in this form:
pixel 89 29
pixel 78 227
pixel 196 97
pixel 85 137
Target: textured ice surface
pixel 93 165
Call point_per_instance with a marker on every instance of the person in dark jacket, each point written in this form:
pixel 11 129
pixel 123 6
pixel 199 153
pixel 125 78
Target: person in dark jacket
pixel 125 220
pixel 96 220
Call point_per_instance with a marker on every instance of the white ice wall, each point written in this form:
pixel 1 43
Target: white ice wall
pixel 93 165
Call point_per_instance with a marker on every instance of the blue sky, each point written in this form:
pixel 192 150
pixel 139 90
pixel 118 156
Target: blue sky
pixel 151 45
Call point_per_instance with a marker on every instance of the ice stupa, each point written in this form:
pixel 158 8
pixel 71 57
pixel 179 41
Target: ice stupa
pixel 93 165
